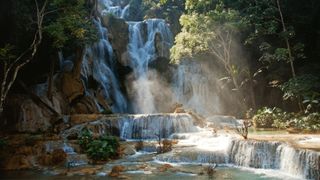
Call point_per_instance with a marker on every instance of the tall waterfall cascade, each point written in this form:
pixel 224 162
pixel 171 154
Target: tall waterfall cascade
pixel 142 50
pixel 149 40
pixel 98 62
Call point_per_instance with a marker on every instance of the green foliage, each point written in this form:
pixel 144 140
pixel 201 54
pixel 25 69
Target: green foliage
pixel 310 122
pixel 200 6
pixel 305 87
pixel 85 138
pixel 266 117
pixel 275 117
pixel 170 10
pixel 101 148
pixel 6 53
pixel 70 24
pixel 206 33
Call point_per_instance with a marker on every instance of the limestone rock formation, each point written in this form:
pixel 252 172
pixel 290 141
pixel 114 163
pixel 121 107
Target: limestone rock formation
pixel 119 37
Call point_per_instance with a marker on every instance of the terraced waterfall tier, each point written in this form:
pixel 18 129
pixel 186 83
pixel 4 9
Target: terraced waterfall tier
pixel 298 163
pixel 142 126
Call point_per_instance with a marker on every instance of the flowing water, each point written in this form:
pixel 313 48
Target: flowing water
pixel 196 148
pixel 99 63
pixel 143 40
pixel 193 87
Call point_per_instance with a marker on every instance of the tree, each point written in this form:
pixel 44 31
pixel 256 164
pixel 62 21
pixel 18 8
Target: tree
pixel 70 24
pixel 212 32
pixel 11 64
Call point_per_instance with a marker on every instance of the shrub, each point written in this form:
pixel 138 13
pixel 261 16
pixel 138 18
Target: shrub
pixel 310 122
pixel 100 148
pixel 85 138
pixel 265 117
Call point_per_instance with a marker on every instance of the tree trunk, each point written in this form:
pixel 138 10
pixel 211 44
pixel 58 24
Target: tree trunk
pixel 293 72
pixel 78 62
pixel 1 109
pixel 286 40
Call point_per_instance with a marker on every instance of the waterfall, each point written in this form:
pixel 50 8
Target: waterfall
pixel 193 87
pixel 139 126
pixel 114 8
pixel 275 155
pixel 155 126
pixel 144 39
pixel 98 63
pixel 298 163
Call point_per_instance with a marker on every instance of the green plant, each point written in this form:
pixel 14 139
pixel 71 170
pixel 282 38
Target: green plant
pixel 284 120
pixel 265 117
pixel 309 122
pixel 3 143
pixel 85 138
pixel 100 148
pixel 303 88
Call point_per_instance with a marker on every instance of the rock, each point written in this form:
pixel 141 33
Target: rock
pixel 18 162
pixel 175 106
pixel 24 150
pixel 28 116
pixel 294 130
pixel 119 37
pixel 179 110
pixel 162 48
pixel 165 167
pixel 59 157
pixel 161 64
pixel 128 149
pixel 85 105
pixel 84 171
pixel 67 66
pixel 198 120
pixel 72 87
pixel 116 170
pixel 45 160
pixel 83 118
pixel 210 170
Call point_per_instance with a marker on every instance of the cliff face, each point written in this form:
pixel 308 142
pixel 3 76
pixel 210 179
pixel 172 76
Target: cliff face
pixel 95 79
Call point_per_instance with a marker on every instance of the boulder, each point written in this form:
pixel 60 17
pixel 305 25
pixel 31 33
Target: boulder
pixel 179 110
pixel 84 105
pixel 116 170
pixel 72 87
pixel 162 47
pixel 57 158
pixel 119 36
pixel 127 149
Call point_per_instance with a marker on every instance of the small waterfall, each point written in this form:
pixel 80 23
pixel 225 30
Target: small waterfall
pixel 114 8
pixel 142 126
pixel 304 163
pixel 275 155
pixel 98 63
pixel 193 88
pixel 254 154
pixel 146 39
pixel 155 126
